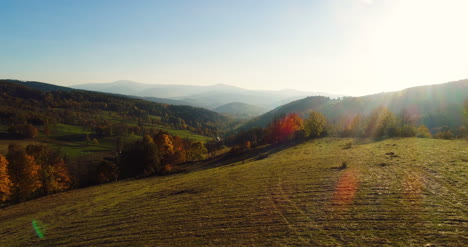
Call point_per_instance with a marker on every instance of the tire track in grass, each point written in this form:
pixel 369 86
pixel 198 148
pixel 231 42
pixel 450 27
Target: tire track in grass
pixel 310 225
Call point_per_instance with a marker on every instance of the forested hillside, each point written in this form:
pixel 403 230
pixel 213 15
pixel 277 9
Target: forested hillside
pixel 435 106
pixel 240 110
pixel 54 138
pixel 39 103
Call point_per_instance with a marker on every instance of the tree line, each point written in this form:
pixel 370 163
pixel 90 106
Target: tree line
pixel 37 170
pixel 380 123
pixel 31 172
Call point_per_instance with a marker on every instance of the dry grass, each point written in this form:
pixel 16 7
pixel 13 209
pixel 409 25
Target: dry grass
pixel 299 196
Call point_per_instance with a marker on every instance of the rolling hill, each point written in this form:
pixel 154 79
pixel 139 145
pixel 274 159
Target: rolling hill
pixel 240 110
pixel 37 96
pixel 434 105
pixel 399 192
pixel 208 97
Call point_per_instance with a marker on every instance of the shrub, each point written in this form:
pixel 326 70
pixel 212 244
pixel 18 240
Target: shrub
pixel 408 131
pixel 423 132
pixel 444 135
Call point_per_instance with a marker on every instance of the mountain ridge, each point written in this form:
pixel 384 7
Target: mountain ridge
pixel 434 105
pixel 209 97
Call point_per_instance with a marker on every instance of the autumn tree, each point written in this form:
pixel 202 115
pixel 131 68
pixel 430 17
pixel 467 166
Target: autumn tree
pixel 444 133
pixel 107 172
pixel 423 132
pixel 284 128
pixel 197 150
pixel 54 174
pixel 315 125
pixel 180 151
pixel 23 171
pixel 357 126
pixel 5 182
pixel 380 123
pixel 166 148
pixel 24 130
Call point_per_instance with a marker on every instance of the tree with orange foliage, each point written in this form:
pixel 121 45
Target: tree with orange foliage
pixel 166 149
pixel 180 152
pixel 54 174
pixel 24 172
pixel 5 182
pixel 284 128
pixel 24 130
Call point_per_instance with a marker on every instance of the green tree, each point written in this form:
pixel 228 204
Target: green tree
pixel 315 125
pixel 408 131
pixel 140 158
pixel 466 112
pixel 381 123
pixel 357 126
pixel 197 150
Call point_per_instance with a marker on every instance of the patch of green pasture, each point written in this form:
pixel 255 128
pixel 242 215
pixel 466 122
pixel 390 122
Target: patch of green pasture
pixel 66 129
pixel 185 134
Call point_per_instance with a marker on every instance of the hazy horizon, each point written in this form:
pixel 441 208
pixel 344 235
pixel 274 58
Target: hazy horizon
pixel 352 47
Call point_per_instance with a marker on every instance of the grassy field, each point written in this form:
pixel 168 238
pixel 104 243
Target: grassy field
pixel 398 192
pixel 71 139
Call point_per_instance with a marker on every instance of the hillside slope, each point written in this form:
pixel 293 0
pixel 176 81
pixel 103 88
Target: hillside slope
pixel 433 105
pixel 240 110
pixel 393 193
pixel 28 101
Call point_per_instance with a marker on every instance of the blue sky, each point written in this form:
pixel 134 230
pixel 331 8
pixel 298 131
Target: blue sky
pixel 353 47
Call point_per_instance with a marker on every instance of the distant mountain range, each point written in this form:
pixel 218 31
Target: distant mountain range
pixel 209 97
pixel 433 105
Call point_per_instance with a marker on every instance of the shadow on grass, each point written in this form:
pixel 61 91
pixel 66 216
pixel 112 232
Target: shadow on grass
pixel 230 158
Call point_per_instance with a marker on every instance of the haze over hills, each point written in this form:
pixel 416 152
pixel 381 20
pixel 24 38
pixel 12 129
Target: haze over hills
pixel 433 105
pixel 208 97
pixel 240 110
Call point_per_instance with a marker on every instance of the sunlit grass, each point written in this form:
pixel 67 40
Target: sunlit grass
pixel 402 192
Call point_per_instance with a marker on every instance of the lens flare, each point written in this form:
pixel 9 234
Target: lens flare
pixel 346 188
pixel 37 229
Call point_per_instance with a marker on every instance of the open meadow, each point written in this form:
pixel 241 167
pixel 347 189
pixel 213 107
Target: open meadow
pixel 325 192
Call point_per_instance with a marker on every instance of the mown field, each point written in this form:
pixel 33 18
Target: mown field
pixel 397 192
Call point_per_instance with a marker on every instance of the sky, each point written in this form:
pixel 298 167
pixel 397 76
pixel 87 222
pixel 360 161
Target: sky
pixel 351 47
